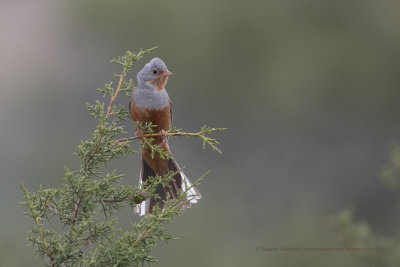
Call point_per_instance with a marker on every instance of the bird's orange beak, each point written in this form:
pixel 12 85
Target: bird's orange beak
pixel 166 73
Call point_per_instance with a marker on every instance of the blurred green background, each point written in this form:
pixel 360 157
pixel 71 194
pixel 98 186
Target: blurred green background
pixel 308 89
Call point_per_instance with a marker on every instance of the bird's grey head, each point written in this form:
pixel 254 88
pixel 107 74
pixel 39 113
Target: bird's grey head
pixel 153 76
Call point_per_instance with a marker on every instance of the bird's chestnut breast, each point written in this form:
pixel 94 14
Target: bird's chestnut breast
pixel 160 117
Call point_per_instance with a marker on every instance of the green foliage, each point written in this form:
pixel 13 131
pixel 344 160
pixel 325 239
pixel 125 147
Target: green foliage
pixel 76 224
pixel 367 247
pixel 210 141
pixel 384 251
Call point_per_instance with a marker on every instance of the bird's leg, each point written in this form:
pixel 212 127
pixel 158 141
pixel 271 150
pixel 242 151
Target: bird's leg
pixel 163 135
pixel 138 132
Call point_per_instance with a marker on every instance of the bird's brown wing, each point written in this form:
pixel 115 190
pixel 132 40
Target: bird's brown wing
pixel 170 111
pixel 130 107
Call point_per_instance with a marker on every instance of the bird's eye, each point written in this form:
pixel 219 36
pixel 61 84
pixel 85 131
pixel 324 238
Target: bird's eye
pixel 154 71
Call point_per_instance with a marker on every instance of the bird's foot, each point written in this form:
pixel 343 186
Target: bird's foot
pixel 163 135
pixel 138 132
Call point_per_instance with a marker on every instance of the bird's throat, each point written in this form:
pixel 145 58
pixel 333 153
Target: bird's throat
pixel 159 82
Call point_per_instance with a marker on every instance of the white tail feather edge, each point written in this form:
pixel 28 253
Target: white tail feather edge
pixel 141 208
pixel 193 193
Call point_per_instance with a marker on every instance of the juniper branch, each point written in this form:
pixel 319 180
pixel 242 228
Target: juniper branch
pixel 171 206
pixel 201 134
pixel 36 218
pixel 88 193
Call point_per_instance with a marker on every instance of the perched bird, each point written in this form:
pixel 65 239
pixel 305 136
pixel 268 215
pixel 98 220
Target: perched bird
pixel 150 103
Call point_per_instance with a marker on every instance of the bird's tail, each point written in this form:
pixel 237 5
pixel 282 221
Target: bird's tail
pixel 180 183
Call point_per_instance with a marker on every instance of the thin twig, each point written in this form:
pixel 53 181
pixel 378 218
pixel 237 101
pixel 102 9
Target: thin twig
pixel 54 211
pixel 121 78
pixel 86 240
pixel 156 134
pixel 141 236
pixel 76 210
pixel 142 194
pixel 211 142
pixel 95 150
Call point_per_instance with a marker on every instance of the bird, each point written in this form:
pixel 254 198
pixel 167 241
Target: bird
pixel 150 103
